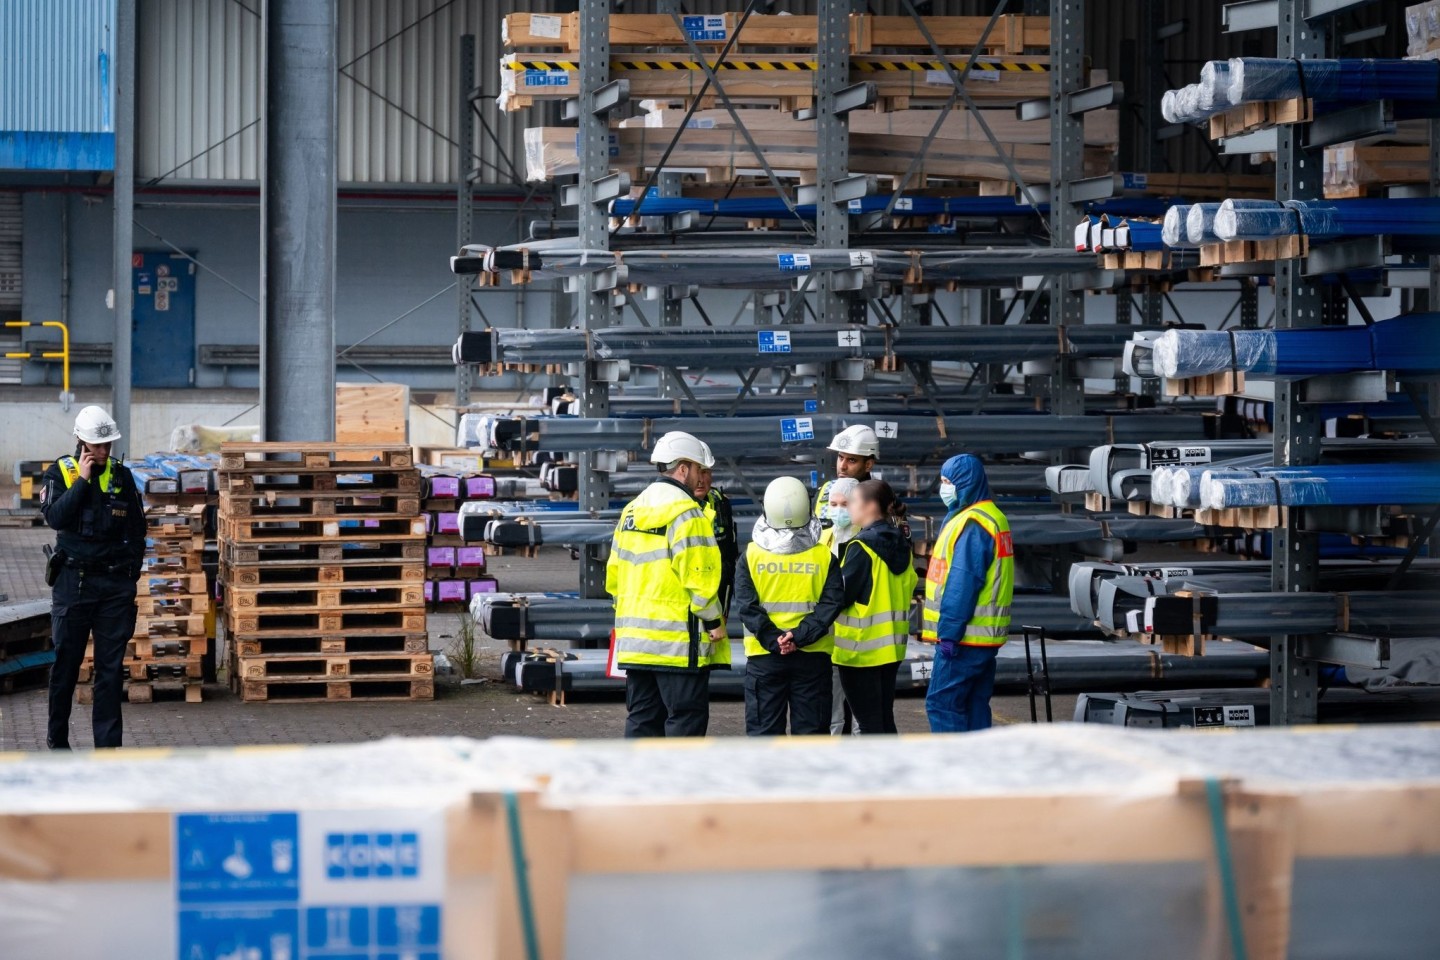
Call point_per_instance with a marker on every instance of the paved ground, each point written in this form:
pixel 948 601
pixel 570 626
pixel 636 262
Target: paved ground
pixel 486 709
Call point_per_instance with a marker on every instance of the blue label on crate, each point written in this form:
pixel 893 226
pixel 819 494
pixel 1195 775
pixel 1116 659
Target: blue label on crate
pixel 796 429
pixel 546 78
pixel 253 934
pixel 812 406
pixel 237 857
pixel 773 341
pixel 361 856
pixel 705 29
pixel 793 262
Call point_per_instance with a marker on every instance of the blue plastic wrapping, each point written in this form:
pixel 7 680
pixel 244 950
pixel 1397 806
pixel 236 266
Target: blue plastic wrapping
pixel 1262 219
pixel 1348 484
pixel 1196 353
pixel 1256 78
pixel 1203 224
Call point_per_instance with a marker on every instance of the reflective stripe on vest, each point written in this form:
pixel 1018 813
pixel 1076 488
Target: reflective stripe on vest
pixel 70 471
pixel 788 586
pixel 659 579
pixel 990 624
pixel 873 633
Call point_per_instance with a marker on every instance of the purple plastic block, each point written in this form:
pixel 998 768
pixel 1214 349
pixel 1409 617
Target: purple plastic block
pixel 470 557
pixel 447 523
pixel 440 557
pixel 479 488
pixel 444 486
pixel 450 590
pixel 484 585
pixel 429 591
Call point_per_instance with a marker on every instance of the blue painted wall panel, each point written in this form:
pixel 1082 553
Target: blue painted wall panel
pixel 55 95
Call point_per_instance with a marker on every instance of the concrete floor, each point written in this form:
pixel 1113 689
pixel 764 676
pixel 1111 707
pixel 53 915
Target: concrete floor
pixel 491 708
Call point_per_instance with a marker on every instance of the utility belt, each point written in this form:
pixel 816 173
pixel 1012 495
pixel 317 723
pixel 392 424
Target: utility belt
pixel 56 560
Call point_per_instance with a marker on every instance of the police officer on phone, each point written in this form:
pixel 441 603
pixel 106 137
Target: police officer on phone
pixel 90 500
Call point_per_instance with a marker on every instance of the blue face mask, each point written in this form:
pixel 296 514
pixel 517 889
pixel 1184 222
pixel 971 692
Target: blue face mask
pixel 949 495
pixel 840 516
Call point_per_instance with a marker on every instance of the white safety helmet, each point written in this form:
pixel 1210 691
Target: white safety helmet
pixel 858 441
pixel 678 445
pixel 787 504
pixel 94 425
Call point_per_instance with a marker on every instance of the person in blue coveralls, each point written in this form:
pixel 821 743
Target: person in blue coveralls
pixel 968 591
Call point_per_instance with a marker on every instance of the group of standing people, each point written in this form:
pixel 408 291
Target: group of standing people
pixel 824 594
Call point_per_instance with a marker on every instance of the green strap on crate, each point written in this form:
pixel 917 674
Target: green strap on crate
pixel 1226 864
pixel 522 876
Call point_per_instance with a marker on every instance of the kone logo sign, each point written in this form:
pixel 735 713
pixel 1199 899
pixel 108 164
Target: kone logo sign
pixel 372 856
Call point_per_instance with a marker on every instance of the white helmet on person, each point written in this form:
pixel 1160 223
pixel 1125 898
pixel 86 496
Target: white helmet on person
pixel 94 425
pixel 787 504
pixel 678 445
pixel 857 441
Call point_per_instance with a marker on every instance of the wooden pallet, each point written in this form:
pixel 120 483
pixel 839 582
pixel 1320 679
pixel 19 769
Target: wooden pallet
pixel 1249 117
pixel 285 458
pixel 319 553
pixel 180 605
pixel 289 598
pixel 180 563
pixel 298 484
pixel 362 573
pixel 153 584
pixel 1253 251
pixel 172 545
pixel 1138 260
pixel 159 648
pixel 27 678
pixel 179 501
pixel 144 691
pixel 335 666
pixel 321 530
pixel 318 690
pixel 359 622
pixel 175 522
pixel 1222 384
pixel 1243 518
pixel 324 645
pixel 311 503
pixel 181 625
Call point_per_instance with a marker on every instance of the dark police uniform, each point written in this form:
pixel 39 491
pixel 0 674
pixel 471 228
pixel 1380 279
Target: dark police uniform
pixel 100 531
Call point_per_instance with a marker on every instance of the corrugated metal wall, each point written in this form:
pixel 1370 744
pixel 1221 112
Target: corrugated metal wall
pixel 54 65
pixel 199 83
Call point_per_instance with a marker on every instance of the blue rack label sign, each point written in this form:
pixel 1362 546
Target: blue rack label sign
pixel 793 262
pixel 547 78
pixel 708 29
pixel 773 341
pixel 352 884
pixel 812 406
pixel 796 429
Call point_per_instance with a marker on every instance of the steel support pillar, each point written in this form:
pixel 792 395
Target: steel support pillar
pixel 1295 564
pixel 595 304
pixel 832 164
pixel 297 221
pixel 1067 164
pixel 464 202
pixel 123 65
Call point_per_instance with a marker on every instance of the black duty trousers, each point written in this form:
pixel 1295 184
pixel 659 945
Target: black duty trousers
pixel 797 684
pixel 82 605
pixel 870 691
pixel 667 703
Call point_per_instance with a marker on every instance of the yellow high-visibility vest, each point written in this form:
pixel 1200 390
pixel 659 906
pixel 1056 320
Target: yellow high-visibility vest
pixel 788 586
pixel 664 573
pixel 873 632
pixel 70 470
pixel 990 625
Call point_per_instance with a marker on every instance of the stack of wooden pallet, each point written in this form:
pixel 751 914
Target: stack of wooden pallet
pixel 323 564
pixel 172 597
pixel 26 652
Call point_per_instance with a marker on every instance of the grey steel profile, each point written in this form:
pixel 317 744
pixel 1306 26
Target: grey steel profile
pixel 297 221
pixel 123 211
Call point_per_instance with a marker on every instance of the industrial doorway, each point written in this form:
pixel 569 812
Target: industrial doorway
pixel 163 320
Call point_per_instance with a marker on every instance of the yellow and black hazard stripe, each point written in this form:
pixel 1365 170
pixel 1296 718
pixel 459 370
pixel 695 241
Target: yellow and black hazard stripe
pixel 801 66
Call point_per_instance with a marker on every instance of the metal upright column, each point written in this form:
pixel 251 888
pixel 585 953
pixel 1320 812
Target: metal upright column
pixel 1294 689
pixel 672 298
pixel 123 60
pixel 297 222
pixel 595 309
pixel 1067 164
pixel 464 201
pixel 832 164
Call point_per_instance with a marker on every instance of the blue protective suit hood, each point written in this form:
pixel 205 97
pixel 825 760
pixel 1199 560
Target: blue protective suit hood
pixel 971 485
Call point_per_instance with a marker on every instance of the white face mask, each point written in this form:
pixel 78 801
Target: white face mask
pixel 948 495
pixel 840 516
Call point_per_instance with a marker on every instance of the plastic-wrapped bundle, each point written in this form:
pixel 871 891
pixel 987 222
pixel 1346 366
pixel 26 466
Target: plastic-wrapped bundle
pixel 1350 484
pixel 1188 483
pixel 1172 229
pixel 1326 220
pixel 1201 224
pixel 1407 344
pixel 1256 78
pixel 1197 101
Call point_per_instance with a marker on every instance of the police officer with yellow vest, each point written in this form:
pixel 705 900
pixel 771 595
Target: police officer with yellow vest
pixel 788 569
pixel 91 502
pixel 968 591
pixel 722 517
pixel 664 573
